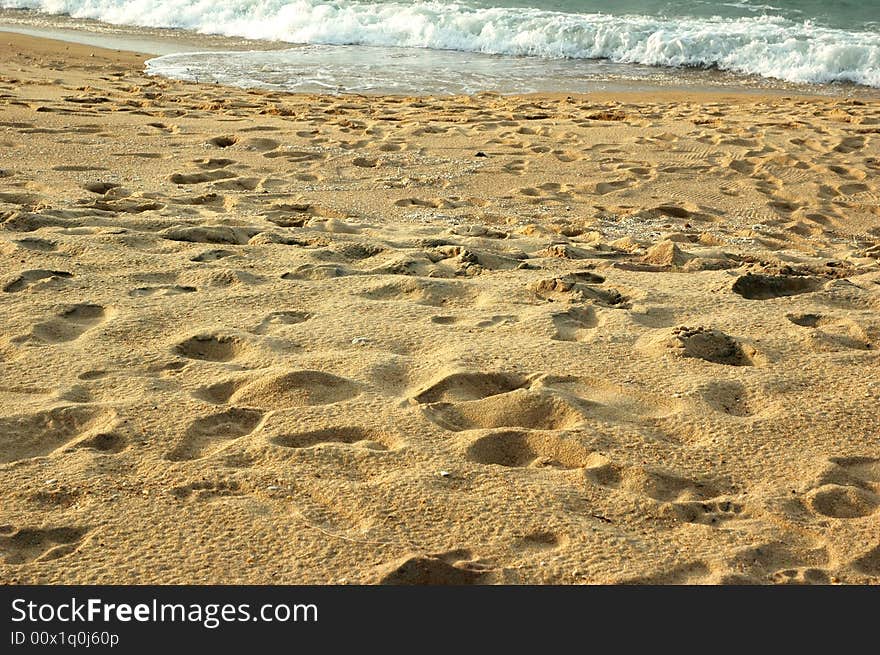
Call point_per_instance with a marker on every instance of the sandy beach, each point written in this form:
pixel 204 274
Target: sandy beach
pixel 254 337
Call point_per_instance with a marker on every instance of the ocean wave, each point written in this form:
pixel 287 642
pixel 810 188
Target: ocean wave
pixel 768 46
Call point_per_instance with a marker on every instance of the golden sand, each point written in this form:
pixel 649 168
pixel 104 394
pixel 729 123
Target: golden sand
pixel 251 337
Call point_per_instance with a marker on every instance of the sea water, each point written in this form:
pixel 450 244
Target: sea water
pixel 509 45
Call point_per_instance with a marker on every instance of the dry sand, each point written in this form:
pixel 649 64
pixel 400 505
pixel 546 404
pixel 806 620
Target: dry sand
pixel 259 338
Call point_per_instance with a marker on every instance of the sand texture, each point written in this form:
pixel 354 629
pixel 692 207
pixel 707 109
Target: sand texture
pixel 258 338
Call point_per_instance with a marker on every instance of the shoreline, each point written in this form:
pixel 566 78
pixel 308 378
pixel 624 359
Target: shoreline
pixel 695 51
pixel 150 41
pixel 44 45
pixel 161 42
pixel 272 338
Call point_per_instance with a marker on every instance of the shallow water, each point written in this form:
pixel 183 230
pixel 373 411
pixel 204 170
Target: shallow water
pixel 513 45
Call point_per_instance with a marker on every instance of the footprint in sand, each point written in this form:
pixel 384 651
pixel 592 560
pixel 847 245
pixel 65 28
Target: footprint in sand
pixel 296 389
pixel 423 292
pixel 143 155
pixel 781 563
pixel 574 324
pixel 37 245
pixel 358 251
pixel 57 430
pixel 391 145
pixel 436 203
pixel 365 162
pixel 690 573
pixel 658 485
pixel 24 545
pixel 469 401
pixel 211 347
pixel 200 178
pixel 244 184
pixel 606 400
pixel 515 409
pixel 764 287
pixel 516 167
pixel 30 278
pixel 211 434
pixel 212 256
pixel 164 290
pixel 603 188
pixel 709 345
pixel 850 144
pixel 463 387
pixel 868 563
pixel 219 393
pixel 213 163
pixel 804 575
pixel 566 156
pixel 452 568
pixel 207 490
pixel 295 156
pixel 282 390
pixel 297 214
pixel 260 144
pixel 102 441
pixel 496 321
pixel 541 540
pixel 714 512
pixel 70 324
pixel 728 397
pixel 216 234
pixel 573 289
pixel 223 141
pixel 78 169
pixel 101 188
pixel 168 129
pixel 371 439
pixel 279 319
pixel 517 449
pixel 127 205
pixel 831 334
pixel 565 251
pixel 482 324
pixel 843 502
pixel 318 272
pixel 849 489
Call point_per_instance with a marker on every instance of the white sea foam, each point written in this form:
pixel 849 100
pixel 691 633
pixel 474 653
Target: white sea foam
pixel 759 45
